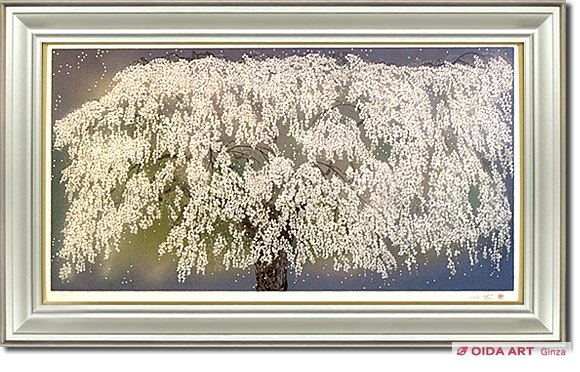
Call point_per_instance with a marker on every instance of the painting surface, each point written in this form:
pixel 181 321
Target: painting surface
pixel 301 169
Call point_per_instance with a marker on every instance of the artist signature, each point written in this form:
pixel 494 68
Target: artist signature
pixel 487 297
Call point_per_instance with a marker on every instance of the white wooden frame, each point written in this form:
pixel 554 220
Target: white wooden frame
pixel 27 321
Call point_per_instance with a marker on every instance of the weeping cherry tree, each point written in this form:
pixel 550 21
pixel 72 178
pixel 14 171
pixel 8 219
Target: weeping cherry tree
pixel 277 162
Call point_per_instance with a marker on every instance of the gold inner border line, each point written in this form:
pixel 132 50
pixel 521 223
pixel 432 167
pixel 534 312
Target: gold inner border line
pixel 46 247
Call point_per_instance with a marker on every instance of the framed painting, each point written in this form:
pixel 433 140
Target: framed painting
pixel 220 175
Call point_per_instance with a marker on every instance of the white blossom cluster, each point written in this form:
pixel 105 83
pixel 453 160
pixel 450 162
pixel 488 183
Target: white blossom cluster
pixel 367 164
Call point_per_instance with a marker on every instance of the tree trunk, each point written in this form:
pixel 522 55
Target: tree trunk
pixel 272 276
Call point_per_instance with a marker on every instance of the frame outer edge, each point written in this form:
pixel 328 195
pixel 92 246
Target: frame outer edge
pixel 3 251
pixel 561 3
pixel 564 178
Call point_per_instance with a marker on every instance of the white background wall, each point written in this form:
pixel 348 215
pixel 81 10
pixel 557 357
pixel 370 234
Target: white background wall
pixel 278 360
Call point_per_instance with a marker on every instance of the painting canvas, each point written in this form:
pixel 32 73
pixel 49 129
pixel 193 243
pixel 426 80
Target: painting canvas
pixel 374 170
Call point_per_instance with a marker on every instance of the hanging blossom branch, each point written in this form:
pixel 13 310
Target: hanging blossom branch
pixel 367 164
